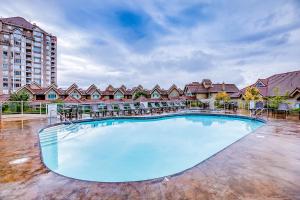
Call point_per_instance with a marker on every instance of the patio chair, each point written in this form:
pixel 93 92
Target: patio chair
pixel 95 112
pixel 132 108
pixel 165 106
pixel 121 108
pixel 110 109
pixel 182 105
pixel 171 106
pixel 153 107
pixel 144 108
pixel 282 108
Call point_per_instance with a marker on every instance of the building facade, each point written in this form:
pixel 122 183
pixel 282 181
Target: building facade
pixel 284 84
pixel 74 94
pixel 27 54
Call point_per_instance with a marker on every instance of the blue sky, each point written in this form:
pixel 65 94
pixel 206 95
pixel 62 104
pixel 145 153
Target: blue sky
pixel 179 41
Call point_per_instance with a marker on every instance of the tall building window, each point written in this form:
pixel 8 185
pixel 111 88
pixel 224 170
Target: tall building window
pixel 18 73
pixel 38 60
pixel 37 49
pixel 5 54
pixel 17 60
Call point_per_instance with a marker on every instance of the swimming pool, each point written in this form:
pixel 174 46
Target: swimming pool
pixel 134 149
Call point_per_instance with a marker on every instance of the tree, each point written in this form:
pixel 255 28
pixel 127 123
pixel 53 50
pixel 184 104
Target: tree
pixel 223 96
pixel 139 94
pixel 252 93
pixel 17 105
pixel 277 99
pixel 221 99
pixel 22 96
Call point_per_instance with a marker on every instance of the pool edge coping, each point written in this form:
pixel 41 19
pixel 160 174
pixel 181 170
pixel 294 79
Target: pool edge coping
pixel 158 179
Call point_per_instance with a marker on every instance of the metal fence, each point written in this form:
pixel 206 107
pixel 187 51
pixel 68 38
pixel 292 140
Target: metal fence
pixel 23 107
pixel 12 108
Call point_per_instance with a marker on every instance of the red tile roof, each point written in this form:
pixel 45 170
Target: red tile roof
pixel 4 97
pixel 71 99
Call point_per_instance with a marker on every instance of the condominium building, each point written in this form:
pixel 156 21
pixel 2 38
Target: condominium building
pixel 27 54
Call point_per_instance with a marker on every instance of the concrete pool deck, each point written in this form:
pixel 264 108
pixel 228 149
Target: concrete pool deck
pixel 263 165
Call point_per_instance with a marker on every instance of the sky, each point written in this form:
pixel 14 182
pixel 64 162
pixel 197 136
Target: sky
pixel 163 42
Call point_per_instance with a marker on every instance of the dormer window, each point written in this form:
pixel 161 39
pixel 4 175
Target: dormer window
pixel 174 93
pixel 119 95
pixel 95 96
pixel 52 95
pixel 155 95
pixel 75 95
pixel 259 84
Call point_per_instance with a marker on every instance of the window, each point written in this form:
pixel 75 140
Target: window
pixel 188 93
pixel 75 95
pixel 5 54
pixel 174 93
pixel 38 60
pixel 52 95
pixel 6 37
pixel 18 73
pixel 35 33
pixel 17 60
pixel 260 84
pixel 5 85
pixel 37 49
pixel 155 95
pixel 95 96
pixel 17 43
pixel 119 95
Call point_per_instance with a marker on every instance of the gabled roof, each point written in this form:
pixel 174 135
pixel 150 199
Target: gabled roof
pixel 157 88
pixel 73 86
pixel 109 90
pixel 285 82
pixel 92 89
pixel 53 87
pixel 121 89
pixel 295 91
pixel 174 87
pixel 195 88
pixel 135 89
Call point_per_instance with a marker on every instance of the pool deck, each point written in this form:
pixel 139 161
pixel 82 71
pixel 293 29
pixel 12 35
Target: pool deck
pixel 263 165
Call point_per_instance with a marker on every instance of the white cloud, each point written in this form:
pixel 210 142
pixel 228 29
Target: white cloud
pixel 230 43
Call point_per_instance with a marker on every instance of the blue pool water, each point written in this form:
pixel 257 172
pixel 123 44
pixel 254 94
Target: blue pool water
pixel 137 149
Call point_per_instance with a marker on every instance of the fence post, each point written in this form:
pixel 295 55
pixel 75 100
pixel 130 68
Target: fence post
pixel 40 108
pixel 0 111
pixel 22 107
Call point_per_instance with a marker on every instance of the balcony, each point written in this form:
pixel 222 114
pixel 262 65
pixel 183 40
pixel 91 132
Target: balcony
pixel 4 42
